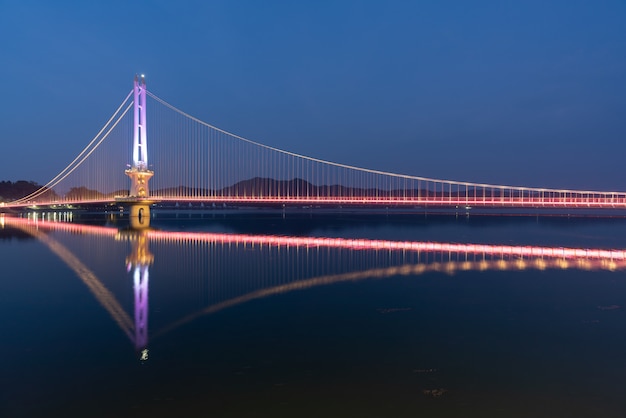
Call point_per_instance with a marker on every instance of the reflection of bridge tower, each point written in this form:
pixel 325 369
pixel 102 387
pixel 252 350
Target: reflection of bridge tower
pixel 139 261
pixel 139 194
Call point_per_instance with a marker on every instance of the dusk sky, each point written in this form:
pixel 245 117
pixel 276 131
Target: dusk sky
pixel 526 93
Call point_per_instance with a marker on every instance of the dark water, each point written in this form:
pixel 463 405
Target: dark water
pixel 245 317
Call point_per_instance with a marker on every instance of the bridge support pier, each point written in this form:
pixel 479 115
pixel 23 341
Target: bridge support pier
pixel 139 215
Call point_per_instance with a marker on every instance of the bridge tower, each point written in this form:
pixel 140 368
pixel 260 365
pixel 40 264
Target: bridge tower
pixel 139 174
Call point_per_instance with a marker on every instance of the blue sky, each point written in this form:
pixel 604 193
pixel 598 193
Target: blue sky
pixel 514 92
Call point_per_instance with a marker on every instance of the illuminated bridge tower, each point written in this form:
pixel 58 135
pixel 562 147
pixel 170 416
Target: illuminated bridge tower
pixel 139 262
pixel 139 195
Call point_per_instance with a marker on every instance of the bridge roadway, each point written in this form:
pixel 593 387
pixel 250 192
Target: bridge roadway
pixel 615 201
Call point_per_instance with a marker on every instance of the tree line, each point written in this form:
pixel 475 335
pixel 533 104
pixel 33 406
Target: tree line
pixel 14 190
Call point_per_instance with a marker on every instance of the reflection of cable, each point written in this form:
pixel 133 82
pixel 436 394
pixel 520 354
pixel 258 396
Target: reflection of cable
pixel 100 292
pixel 502 258
pixel 449 267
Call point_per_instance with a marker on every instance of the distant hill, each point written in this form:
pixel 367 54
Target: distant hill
pixel 263 187
pixel 11 191
pixel 259 186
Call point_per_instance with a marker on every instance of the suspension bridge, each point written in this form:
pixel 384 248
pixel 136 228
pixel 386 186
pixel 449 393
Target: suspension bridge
pixel 209 271
pixel 193 162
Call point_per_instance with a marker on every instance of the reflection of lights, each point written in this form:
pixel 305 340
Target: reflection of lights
pixel 70 227
pixel 466 265
pixel 365 244
pixel 144 355
pixel 376 273
pixel 2 220
pixel 500 251
pixel 404 270
pixel 450 258
pixel 611 265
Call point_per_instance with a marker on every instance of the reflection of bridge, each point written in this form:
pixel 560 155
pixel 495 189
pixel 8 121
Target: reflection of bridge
pixel 210 264
pixel 198 163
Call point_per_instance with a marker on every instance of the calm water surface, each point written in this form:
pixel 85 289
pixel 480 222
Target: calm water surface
pixel 226 314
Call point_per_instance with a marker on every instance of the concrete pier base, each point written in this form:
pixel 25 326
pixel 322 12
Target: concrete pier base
pixel 139 216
